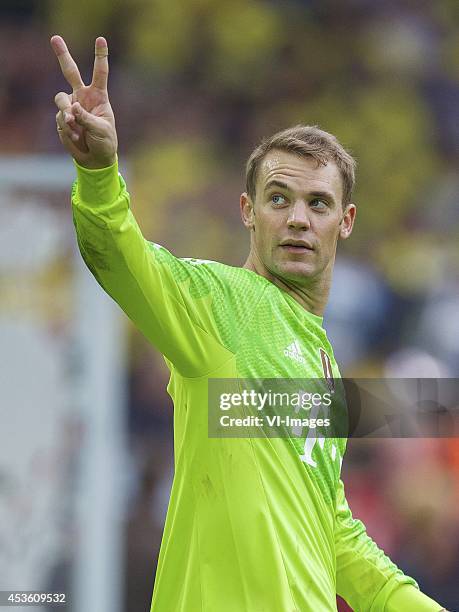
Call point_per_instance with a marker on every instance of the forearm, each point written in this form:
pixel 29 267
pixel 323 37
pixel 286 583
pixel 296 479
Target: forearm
pixel 108 236
pixel 408 598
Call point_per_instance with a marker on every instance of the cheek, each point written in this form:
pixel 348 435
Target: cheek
pixel 265 230
pixel 330 238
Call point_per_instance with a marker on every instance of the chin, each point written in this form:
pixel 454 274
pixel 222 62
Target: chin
pixel 296 271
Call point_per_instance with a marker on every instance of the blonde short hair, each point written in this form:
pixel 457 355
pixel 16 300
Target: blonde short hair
pixel 305 140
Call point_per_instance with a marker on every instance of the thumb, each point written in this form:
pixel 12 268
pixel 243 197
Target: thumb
pixel 85 119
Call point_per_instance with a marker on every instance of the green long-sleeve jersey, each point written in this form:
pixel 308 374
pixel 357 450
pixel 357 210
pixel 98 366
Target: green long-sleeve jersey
pixel 253 524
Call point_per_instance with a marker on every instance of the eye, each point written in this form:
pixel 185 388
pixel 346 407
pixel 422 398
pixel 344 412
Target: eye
pixel 278 200
pixel 319 204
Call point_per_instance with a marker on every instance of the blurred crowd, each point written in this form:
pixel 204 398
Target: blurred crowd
pixel 194 86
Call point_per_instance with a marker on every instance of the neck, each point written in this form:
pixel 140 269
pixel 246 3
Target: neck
pixel 312 294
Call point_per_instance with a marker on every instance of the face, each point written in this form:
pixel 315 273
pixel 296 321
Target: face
pixel 297 217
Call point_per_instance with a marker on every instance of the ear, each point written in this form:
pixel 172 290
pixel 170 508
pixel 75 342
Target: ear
pixel 347 221
pixel 247 211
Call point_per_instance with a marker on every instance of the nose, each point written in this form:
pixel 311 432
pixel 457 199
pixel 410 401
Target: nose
pixel 299 216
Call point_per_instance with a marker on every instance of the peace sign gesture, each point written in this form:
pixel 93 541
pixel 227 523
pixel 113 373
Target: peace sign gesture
pixel 85 121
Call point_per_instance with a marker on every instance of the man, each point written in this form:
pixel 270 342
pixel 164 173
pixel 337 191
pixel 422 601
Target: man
pixel 254 524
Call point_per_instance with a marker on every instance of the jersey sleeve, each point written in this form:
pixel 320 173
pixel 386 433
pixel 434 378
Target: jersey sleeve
pixel 365 577
pixel 169 299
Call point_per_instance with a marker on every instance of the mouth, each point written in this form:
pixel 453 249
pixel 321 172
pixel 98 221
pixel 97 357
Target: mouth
pixel 296 246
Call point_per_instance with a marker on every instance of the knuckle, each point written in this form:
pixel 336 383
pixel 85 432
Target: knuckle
pixel 61 100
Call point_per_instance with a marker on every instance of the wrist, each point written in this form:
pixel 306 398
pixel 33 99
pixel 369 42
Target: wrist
pixel 98 185
pixel 96 164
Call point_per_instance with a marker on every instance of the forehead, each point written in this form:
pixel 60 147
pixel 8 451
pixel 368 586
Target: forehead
pixel 300 173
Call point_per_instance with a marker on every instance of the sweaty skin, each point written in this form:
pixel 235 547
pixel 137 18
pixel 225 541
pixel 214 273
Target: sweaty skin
pixel 270 164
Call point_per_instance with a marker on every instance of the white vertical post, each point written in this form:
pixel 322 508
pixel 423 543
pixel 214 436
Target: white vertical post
pixel 99 399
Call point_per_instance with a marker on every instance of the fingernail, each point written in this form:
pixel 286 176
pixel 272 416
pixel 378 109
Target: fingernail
pixel 74 136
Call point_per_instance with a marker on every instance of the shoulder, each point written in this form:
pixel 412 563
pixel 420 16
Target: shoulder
pixel 229 280
pixel 229 295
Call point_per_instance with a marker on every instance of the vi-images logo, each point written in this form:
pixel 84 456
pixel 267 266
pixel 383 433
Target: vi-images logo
pixel 293 351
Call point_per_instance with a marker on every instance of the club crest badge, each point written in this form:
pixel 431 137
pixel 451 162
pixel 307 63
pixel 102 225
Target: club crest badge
pixel 327 368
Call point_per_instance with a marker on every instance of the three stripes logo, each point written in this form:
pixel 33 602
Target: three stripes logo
pixel 293 351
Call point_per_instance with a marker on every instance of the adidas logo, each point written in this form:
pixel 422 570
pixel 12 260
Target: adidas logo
pixel 293 351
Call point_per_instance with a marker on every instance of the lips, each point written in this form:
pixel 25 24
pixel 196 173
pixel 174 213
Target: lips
pixel 296 245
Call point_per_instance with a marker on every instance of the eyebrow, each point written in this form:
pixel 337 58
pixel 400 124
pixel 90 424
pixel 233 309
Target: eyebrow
pixel 275 183
pixel 316 194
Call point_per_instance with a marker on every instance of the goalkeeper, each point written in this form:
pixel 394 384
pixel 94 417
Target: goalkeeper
pixel 253 524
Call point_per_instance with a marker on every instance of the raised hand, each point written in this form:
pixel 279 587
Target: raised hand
pixel 85 120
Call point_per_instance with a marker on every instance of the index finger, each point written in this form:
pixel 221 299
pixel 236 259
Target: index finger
pixel 67 63
pixel 100 72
